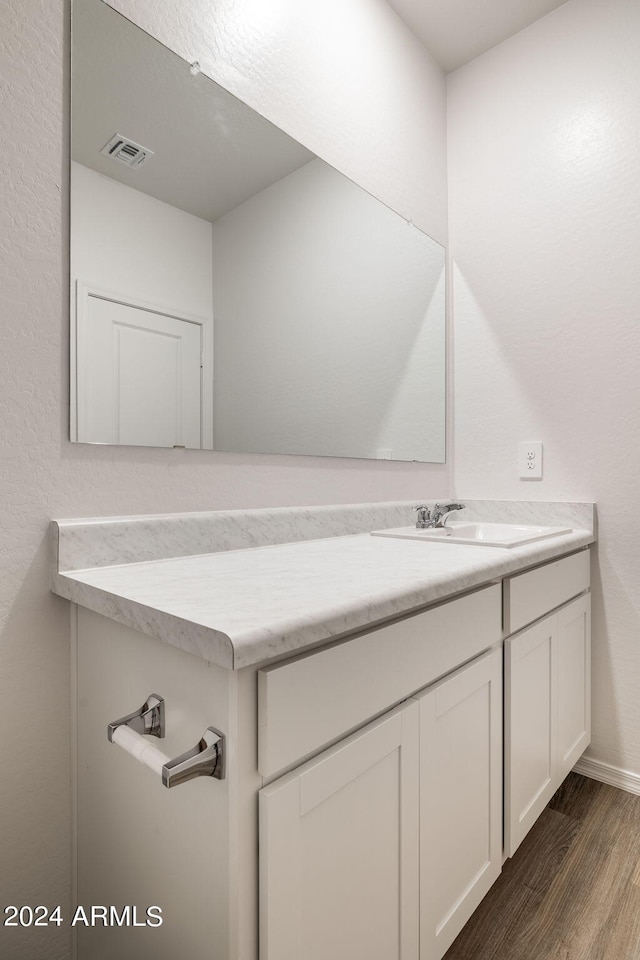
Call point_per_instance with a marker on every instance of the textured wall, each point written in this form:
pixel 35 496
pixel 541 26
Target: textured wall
pixel 381 95
pixel 544 139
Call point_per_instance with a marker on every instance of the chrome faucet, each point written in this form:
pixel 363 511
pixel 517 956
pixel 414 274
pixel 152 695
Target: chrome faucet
pixel 437 517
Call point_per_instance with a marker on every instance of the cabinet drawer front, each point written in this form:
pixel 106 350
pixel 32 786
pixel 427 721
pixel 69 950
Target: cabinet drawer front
pixel 530 595
pixel 308 703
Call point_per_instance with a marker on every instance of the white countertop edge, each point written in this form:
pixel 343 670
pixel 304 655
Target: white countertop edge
pixel 204 642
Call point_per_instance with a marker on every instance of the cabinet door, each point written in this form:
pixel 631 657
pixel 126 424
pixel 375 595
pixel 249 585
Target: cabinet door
pixel 460 799
pixel 530 727
pixel 339 850
pixel 574 683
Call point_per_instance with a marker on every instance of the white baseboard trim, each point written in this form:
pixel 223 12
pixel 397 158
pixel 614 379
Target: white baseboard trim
pixel 606 773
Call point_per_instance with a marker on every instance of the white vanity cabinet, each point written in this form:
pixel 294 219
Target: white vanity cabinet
pixel 547 687
pixel 361 813
pixel 383 846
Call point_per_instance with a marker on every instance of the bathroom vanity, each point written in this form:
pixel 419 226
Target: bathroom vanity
pixel 366 689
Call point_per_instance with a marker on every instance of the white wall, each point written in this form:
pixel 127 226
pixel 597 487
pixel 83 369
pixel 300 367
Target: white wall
pixel 369 96
pixel 329 324
pixel 544 140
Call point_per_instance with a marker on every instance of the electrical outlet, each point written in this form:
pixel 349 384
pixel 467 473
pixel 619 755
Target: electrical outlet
pixel 530 460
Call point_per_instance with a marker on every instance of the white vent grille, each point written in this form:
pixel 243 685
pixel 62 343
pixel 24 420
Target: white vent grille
pixel 126 151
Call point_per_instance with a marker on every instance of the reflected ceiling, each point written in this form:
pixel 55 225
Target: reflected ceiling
pixel 211 152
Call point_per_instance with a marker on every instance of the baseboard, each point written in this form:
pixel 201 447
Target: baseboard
pixel 606 773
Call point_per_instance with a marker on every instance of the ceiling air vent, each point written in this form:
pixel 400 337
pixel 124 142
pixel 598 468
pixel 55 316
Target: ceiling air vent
pixel 126 151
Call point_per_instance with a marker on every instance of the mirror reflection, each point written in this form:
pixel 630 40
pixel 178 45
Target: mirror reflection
pixel 230 290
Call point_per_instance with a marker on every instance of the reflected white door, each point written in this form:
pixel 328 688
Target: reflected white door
pixel 138 374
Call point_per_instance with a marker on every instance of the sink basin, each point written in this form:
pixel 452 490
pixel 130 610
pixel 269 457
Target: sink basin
pixel 482 534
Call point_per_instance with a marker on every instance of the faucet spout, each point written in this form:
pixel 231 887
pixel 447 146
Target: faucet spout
pixel 428 519
pixel 442 511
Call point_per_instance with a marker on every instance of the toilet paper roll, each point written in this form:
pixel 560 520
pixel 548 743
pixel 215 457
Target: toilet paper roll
pixel 140 748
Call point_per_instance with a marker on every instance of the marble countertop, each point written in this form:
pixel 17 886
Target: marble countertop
pixel 238 607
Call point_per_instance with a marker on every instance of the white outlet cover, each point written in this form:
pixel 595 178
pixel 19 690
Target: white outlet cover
pixel 530 460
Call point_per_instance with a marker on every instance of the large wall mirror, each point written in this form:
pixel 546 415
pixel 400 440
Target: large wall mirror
pixel 230 290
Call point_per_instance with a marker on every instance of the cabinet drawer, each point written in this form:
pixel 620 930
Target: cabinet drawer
pixel 308 703
pixel 530 595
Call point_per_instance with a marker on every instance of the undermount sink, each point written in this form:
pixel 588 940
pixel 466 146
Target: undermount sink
pixel 482 534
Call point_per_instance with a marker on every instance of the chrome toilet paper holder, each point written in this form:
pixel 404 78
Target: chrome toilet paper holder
pixel 205 759
pixel 148 720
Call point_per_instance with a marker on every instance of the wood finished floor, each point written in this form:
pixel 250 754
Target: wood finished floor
pixel 572 890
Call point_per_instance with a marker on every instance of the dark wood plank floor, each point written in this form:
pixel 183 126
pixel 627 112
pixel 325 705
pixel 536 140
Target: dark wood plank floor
pixel 572 890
